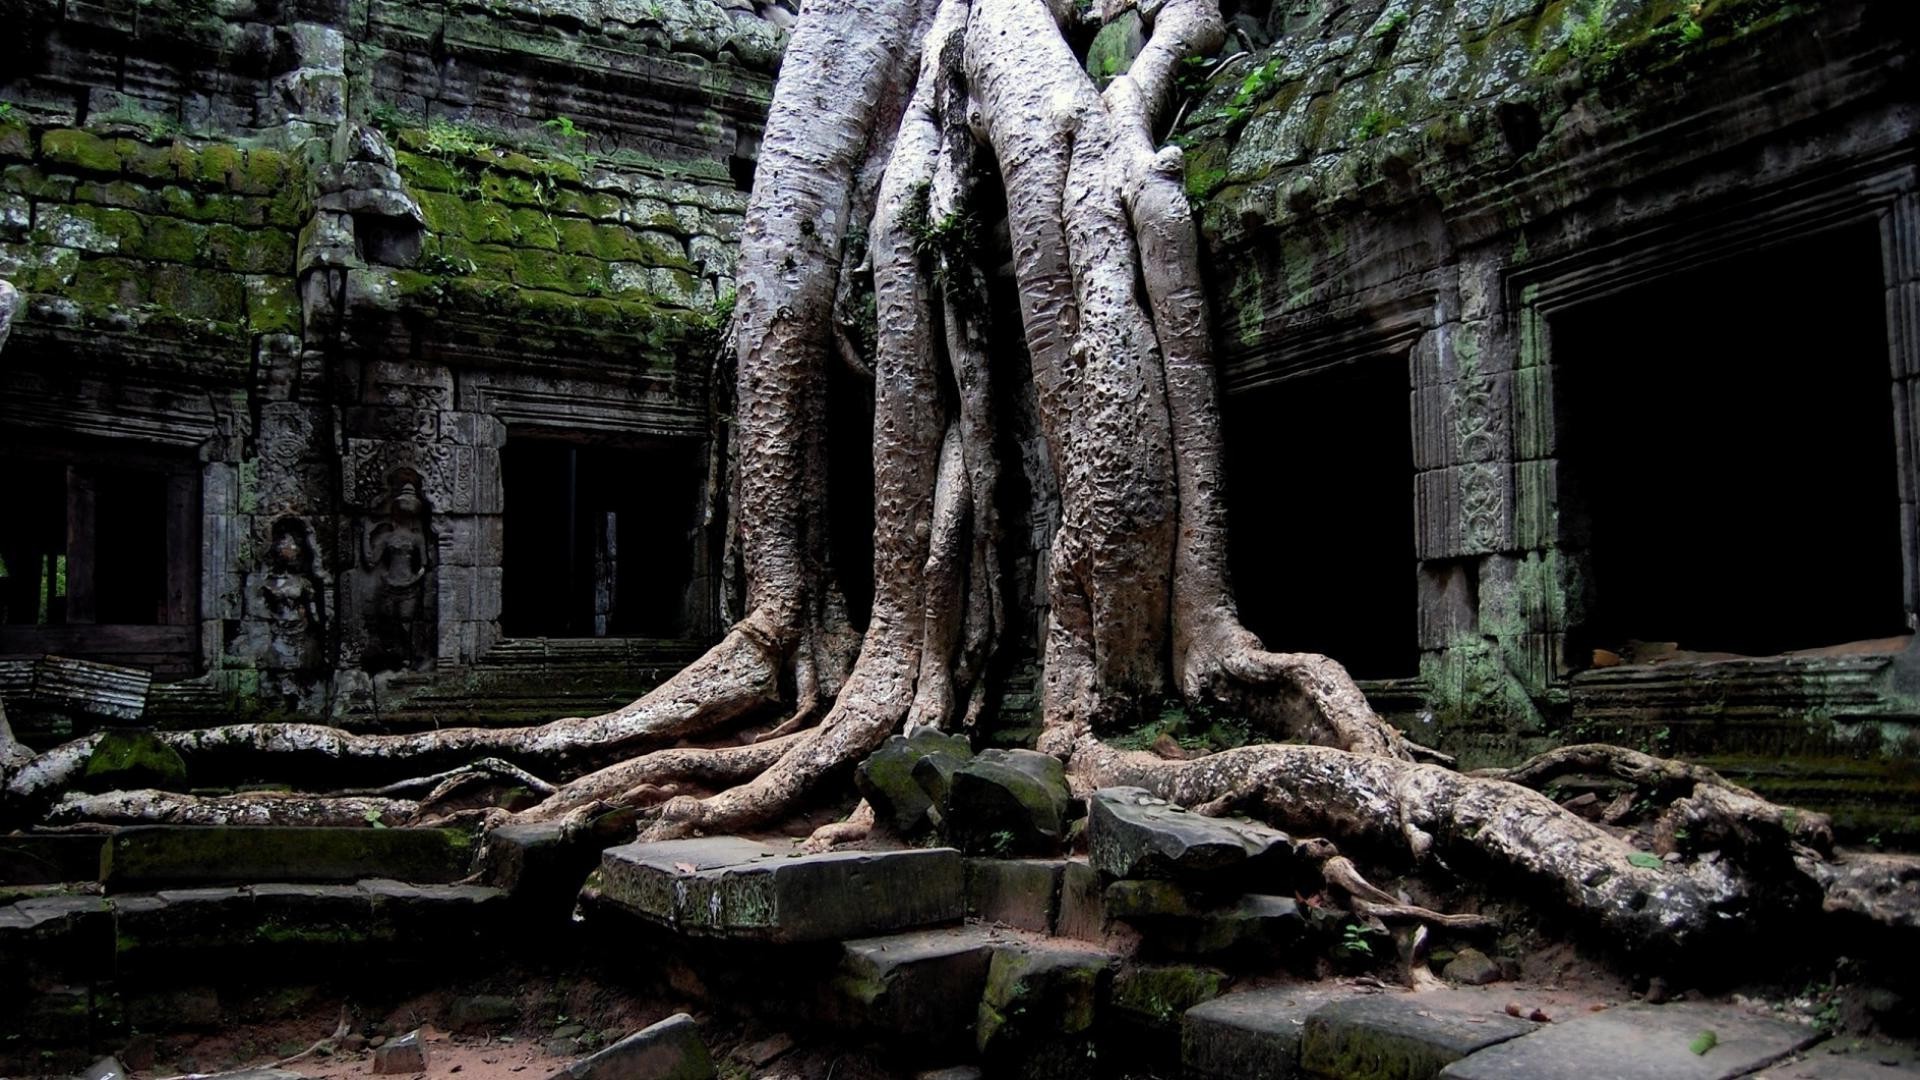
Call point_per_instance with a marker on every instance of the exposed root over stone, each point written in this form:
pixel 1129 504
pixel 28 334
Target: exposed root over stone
pixel 889 119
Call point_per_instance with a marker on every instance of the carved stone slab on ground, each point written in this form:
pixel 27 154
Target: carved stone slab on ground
pixel 739 888
pixel 669 1050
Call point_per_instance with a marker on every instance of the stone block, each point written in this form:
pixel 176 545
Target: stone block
pixel 47 858
pixel 155 855
pixel 1158 995
pixel 1400 1036
pixel 1039 1009
pixel 1082 912
pixel 403 1054
pixel 906 780
pixel 1254 930
pixel 669 1050
pixel 738 888
pixel 1008 802
pixel 1132 833
pixel 65 935
pixel 413 920
pixel 1251 1033
pixel 1022 893
pixel 923 986
pixel 1640 1042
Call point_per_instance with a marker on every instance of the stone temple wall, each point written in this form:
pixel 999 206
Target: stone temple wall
pixel 1450 192
pixel 303 271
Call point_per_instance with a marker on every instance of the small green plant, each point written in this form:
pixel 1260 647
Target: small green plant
pixel 1390 25
pixel 564 127
pixel 1258 83
pixel 447 140
pixel 1353 940
pixel 1000 842
pixel 6 111
pixel 1588 33
pixel 1371 126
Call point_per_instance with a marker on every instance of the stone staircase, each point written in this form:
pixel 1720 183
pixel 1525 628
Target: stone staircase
pixel 106 931
pixel 1148 942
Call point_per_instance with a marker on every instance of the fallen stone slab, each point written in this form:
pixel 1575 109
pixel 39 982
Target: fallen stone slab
pixel 1159 995
pixel 404 1054
pixel 737 888
pixel 1082 912
pixel 906 780
pixel 1642 1042
pixel 1132 833
pixel 1401 1036
pixel 160 855
pixel 669 1050
pixel 1008 802
pixel 1822 1066
pixel 924 985
pixel 1249 1033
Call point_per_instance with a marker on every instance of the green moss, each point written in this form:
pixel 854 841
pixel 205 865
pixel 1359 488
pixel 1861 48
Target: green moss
pixel 1163 994
pixel 75 149
pixel 261 251
pixel 219 164
pixel 134 759
pixel 534 229
pixel 430 173
pixel 194 293
pixel 149 162
pixel 30 181
pixel 173 240
pixel 102 283
pixel 16 139
pixel 264 172
pixel 273 305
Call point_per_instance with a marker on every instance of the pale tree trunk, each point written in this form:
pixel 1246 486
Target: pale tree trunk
pixel 886 118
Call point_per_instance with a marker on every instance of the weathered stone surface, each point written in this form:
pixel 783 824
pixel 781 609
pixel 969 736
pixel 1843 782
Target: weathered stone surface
pixel 107 1068
pixel 669 1050
pixel 70 935
pixel 1135 899
pixel 1082 914
pixel 1039 1008
pixel 47 858
pixel 130 760
pixel 1132 833
pixel 1254 930
pixel 906 779
pixel 919 986
pixel 1471 967
pixel 1158 995
pixel 1022 893
pixel 1400 1036
pixel 733 887
pixel 180 854
pixel 1640 1042
pixel 1251 1033
pixel 1008 802
pixel 405 1054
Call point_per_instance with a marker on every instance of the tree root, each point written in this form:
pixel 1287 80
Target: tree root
pixel 154 807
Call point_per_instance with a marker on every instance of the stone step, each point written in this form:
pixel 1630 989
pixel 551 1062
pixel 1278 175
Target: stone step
pixel 50 858
pixel 1679 1041
pixel 924 986
pixel 83 938
pixel 153 856
pixel 732 887
pixel 1339 1033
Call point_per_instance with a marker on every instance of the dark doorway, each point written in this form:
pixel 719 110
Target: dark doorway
pixel 85 543
pixel 599 541
pixel 1320 484
pixel 1729 452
